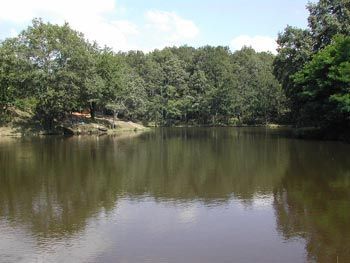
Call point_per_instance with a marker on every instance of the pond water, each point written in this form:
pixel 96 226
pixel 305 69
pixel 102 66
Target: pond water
pixel 175 195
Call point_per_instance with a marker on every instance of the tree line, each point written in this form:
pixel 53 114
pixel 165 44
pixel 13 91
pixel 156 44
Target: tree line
pixel 54 70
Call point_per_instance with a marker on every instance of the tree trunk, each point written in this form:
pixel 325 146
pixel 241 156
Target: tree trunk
pixel 92 110
pixel 113 119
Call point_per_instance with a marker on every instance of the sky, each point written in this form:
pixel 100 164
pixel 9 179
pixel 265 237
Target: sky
pixel 149 24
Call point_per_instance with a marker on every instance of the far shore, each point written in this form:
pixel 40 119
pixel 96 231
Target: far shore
pixel 106 125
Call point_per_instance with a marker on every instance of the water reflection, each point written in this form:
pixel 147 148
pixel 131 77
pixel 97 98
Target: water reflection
pixel 188 190
pixel 313 200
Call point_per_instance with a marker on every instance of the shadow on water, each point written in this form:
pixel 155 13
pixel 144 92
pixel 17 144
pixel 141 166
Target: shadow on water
pixel 313 199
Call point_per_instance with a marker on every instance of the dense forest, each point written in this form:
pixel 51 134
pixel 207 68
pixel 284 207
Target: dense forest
pixel 56 71
pixel 52 70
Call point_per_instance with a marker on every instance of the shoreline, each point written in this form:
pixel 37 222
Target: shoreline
pixel 98 128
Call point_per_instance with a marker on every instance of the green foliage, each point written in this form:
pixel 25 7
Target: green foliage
pixel 13 73
pixel 60 63
pixel 208 85
pixel 295 49
pixel 64 73
pixel 133 95
pixel 327 19
pixel 182 85
pixel 313 70
pixel 6 74
pixel 325 85
pixel 26 104
pixel 5 118
pixel 218 68
pixel 259 97
pixel 109 69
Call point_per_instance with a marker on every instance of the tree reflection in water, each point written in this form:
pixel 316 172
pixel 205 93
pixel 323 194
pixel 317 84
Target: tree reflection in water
pixel 54 186
pixel 313 200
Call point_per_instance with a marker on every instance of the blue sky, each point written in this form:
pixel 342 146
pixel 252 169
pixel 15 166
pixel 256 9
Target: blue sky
pixel 145 25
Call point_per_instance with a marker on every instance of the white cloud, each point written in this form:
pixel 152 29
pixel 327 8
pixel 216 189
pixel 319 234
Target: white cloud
pixel 172 27
pixel 87 16
pixel 259 43
pixel 98 20
pixel 20 11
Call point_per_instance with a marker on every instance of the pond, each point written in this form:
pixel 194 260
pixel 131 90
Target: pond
pixel 175 195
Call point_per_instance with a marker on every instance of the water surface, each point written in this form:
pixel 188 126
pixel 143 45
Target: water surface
pixel 175 195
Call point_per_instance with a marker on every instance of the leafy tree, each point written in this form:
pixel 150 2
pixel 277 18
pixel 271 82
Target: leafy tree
pixel 109 71
pixel 295 49
pixel 258 97
pixel 92 93
pixel 7 75
pixel 209 85
pixel 198 86
pixel 215 62
pixel 328 18
pixel 150 70
pixel 14 75
pixel 325 86
pixel 272 102
pixel 126 93
pixel 133 95
pixel 171 92
pixel 59 71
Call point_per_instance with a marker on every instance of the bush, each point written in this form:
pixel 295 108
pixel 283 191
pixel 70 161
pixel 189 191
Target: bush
pixel 27 104
pixel 4 118
pixel 234 122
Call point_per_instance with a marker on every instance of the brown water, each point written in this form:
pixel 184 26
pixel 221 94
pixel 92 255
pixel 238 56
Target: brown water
pixel 175 195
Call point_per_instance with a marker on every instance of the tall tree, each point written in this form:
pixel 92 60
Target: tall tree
pixel 325 86
pixel 294 50
pixel 109 70
pixel 328 18
pixel 60 61
pixel 198 87
pixel 215 62
pixel 258 97
pixel 13 74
